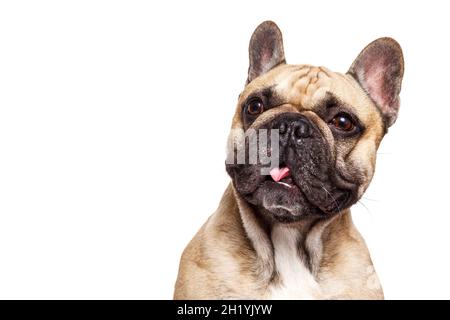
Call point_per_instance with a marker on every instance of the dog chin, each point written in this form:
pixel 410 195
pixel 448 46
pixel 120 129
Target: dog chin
pixel 283 202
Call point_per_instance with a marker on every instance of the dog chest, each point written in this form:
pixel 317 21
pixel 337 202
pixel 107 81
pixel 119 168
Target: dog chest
pixel 295 279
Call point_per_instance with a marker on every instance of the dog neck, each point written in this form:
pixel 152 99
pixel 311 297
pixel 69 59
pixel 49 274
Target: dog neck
pixel 278 244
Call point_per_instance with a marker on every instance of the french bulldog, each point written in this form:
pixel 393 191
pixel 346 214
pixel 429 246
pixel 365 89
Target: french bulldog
pixel 283 230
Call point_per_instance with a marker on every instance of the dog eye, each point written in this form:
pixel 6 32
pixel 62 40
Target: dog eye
pixel 343 122
pixel 254 107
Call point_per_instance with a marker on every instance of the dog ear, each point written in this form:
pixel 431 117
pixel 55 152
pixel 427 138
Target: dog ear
pixel 379 71
pixel 265 50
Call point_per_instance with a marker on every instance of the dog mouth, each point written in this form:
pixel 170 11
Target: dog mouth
pixel 283 180
pixel 294 189
pixel 282 176
pixel 290 192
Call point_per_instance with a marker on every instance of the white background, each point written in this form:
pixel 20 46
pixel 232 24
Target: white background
pixel 113 123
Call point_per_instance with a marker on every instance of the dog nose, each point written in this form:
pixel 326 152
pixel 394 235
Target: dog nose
pixel 301 129
pixel 294 128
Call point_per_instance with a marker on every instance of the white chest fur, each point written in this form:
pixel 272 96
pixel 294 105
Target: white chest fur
pixel 296 280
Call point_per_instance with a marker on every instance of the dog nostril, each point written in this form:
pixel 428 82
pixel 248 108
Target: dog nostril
pixel 302 130
pixel 283 128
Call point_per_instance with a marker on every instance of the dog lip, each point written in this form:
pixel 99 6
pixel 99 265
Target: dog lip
pixel 285 184
pixel 287 181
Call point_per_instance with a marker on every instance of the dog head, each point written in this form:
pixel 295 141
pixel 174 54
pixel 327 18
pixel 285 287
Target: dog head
pixel 321 127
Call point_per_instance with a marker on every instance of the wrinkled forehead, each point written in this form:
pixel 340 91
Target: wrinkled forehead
pixel 306 86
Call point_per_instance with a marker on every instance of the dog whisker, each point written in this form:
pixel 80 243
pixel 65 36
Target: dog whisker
pixel 334 200
pixel 361 203
pixel 369 199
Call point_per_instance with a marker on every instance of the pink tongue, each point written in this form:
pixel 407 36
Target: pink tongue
pixel 278 174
